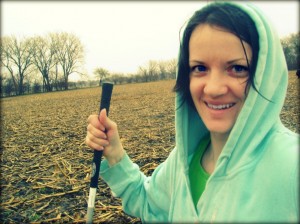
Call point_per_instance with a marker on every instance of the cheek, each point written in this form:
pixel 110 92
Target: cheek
pixel 196 87
pixel 240 89
pixel 243 92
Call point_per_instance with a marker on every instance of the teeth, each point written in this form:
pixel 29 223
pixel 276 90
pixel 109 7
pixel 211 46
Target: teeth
pixel 220 107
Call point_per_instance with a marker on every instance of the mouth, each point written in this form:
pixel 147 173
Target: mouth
pixel 219 106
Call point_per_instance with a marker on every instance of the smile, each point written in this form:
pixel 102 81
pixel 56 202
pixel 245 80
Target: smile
pixel 220 107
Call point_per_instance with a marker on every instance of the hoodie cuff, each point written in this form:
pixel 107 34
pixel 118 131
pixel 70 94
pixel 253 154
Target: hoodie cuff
pixel 120 175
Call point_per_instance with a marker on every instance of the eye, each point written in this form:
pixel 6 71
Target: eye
pixel 198 69
pixel 238 70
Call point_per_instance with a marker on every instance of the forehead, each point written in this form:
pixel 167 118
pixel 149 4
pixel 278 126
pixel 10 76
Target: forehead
pixel 207 40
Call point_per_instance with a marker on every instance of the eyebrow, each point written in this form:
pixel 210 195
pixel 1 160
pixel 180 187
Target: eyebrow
pixel 228 62
pixel 196 61
pixel 236 60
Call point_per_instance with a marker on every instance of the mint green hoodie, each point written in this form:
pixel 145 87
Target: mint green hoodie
pixel 256 175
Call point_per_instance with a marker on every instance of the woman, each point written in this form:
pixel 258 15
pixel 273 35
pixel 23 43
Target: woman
pixel 234 161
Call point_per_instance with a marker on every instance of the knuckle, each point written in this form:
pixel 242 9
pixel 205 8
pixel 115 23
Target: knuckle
pixel 114 125
pixel 92 138
pixel 91 118
pixel 88 127
pixel 88 141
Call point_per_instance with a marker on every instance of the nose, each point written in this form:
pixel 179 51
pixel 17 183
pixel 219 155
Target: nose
pixel 215 85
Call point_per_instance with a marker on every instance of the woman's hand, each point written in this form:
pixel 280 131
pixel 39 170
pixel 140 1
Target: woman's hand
pixel 102 134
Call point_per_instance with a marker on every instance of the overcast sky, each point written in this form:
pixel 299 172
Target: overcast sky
pixel 122 35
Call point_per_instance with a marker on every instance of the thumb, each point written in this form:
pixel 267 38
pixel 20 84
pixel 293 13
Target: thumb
pixel 104 120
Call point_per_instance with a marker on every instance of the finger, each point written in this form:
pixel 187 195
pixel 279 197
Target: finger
pixel 96 143
pixel 94 120
pixel 93 145
pixel 99 141
pixel 107 123
pixel 96 132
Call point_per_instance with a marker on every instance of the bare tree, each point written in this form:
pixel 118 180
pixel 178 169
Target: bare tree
pixel 69 53
pixel 117 78
pixel 101 73
pixel 162 70
pixel 171 68
pixel 143 73
pixel 16 57
pixel 153 70
pixel 5 60
pixel 149 72
pixel 44 58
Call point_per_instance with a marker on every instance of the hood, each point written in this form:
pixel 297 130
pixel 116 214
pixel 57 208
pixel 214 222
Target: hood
pixel 257 116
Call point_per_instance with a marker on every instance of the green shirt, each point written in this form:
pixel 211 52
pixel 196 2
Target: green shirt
pixel 198 176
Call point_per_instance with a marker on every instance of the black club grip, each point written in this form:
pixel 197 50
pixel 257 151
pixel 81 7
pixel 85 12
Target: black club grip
pixel 107 88
pixel 104 103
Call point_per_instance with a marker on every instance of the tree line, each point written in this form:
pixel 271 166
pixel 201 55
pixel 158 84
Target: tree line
pixel 44 64
pixel 54 56
pixel 152 71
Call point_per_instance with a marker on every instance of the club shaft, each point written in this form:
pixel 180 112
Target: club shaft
pixel 104 104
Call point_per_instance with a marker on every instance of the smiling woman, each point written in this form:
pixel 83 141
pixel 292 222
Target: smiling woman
pixel 229 136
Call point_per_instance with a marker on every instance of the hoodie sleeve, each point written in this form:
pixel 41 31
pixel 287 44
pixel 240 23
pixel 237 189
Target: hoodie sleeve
pixel 145 197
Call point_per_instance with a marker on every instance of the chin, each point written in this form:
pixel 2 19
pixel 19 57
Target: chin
pixel 219 128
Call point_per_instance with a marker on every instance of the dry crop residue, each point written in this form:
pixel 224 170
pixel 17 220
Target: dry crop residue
pixel 45 164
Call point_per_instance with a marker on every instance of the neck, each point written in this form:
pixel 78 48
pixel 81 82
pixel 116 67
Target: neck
pixel 217 143
pixel 213 152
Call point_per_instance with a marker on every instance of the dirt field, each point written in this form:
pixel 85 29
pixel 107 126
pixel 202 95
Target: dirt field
pixel 45 164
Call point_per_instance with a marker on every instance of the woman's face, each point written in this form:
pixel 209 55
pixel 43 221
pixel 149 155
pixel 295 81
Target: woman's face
pixel 218 76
